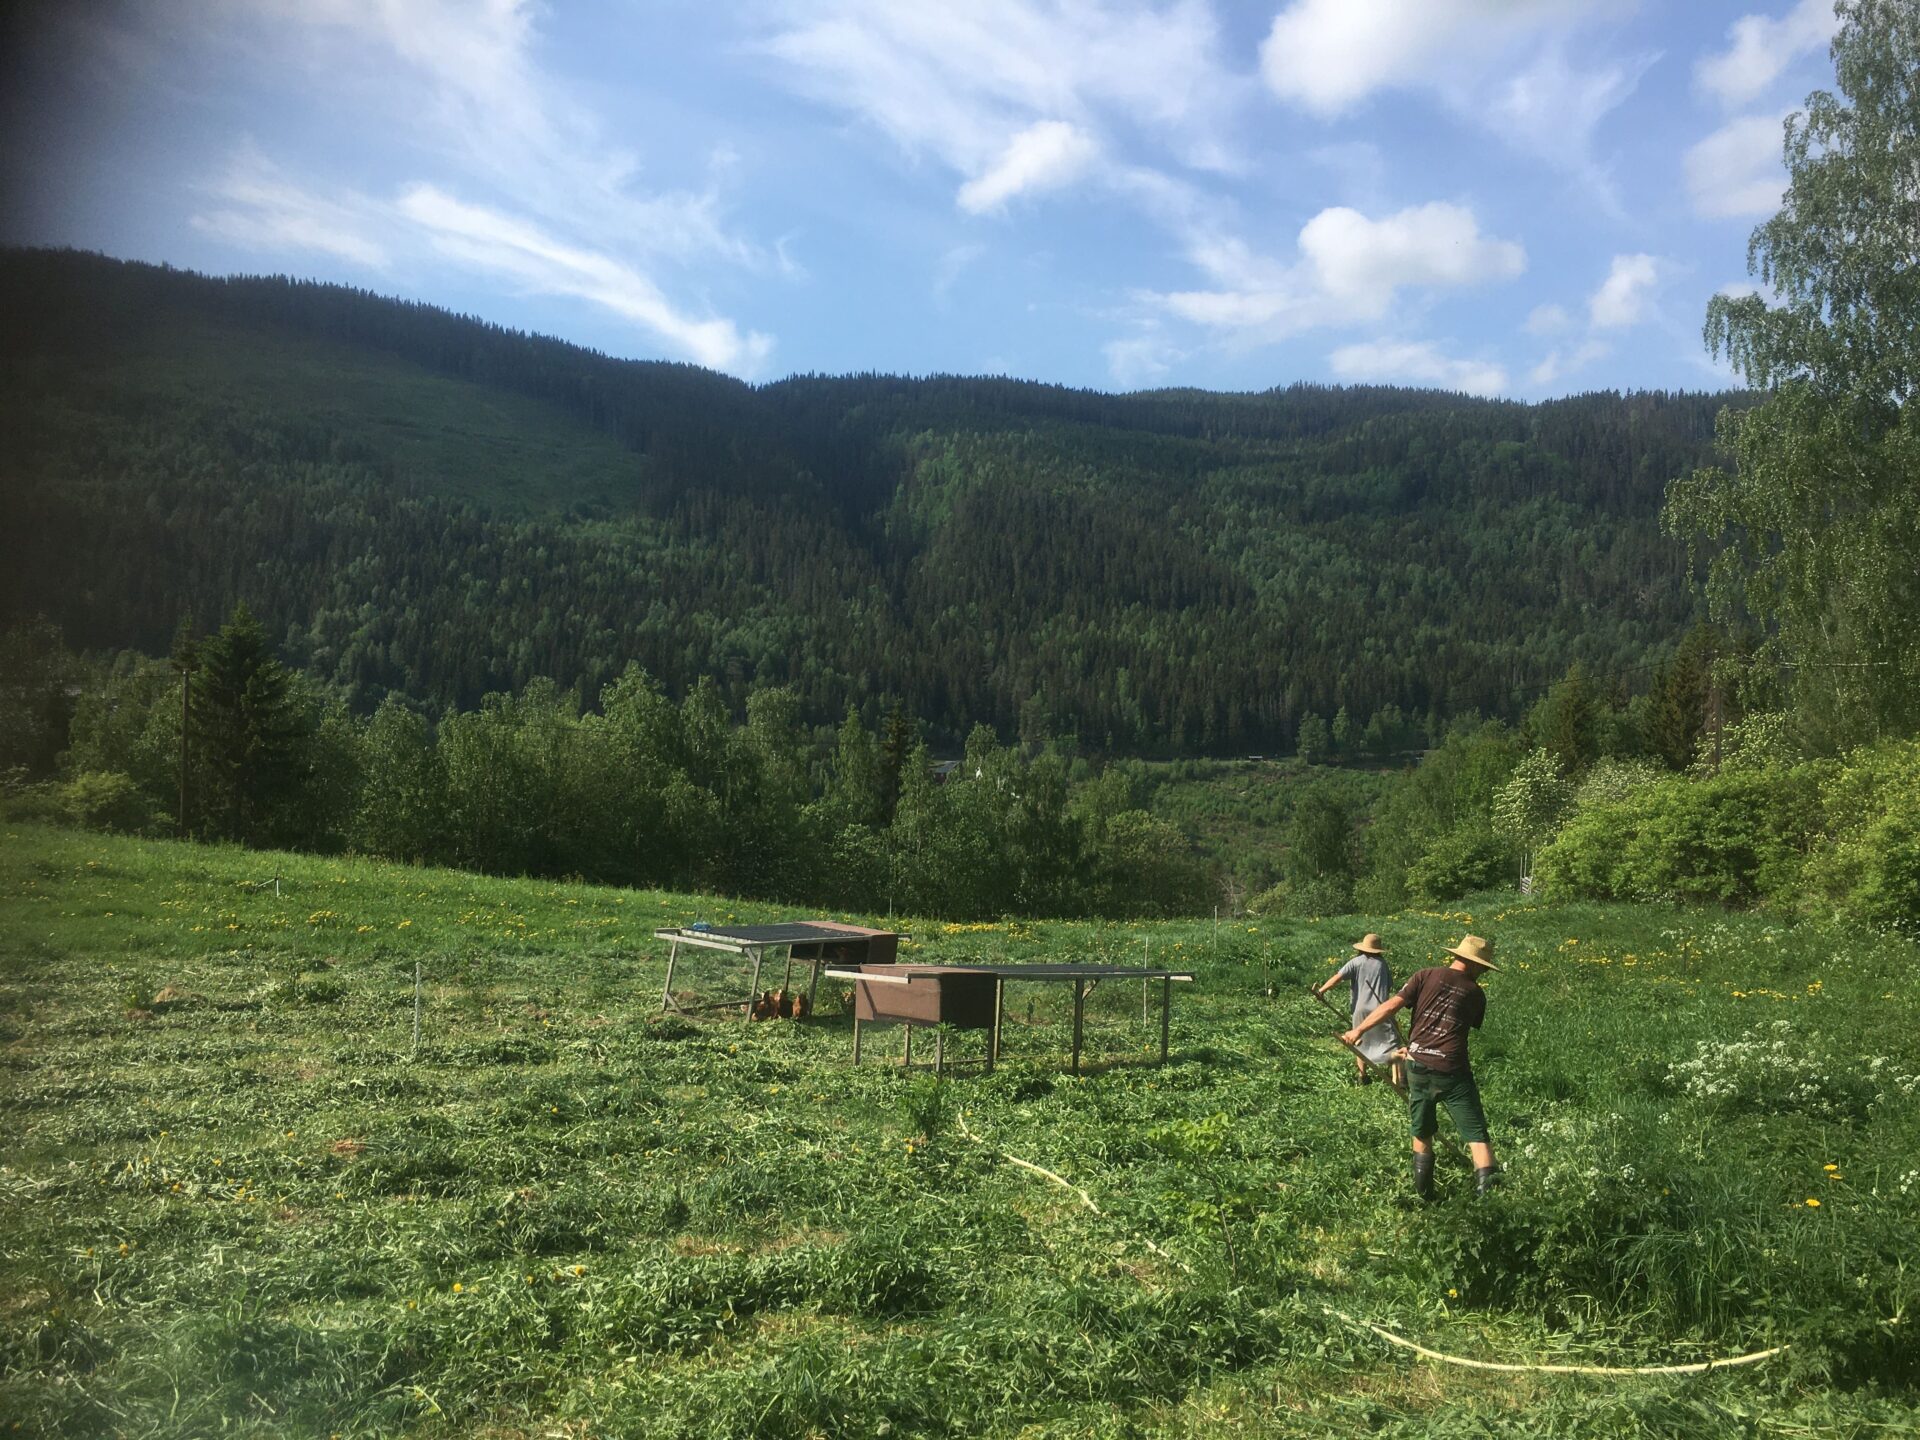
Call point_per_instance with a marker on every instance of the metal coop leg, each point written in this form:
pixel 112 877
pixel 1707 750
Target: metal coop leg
pixel 1079 1014
pixel 1166 1010
pixel 666 990
pixel 753 986
pixel 999 1012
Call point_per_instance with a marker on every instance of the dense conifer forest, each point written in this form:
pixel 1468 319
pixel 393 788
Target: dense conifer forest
pixel 421 505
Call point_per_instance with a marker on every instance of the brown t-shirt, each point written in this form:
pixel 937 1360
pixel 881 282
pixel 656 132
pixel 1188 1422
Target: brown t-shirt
pixel 1446 1004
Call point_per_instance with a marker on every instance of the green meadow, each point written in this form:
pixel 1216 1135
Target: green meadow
pixel 239 1200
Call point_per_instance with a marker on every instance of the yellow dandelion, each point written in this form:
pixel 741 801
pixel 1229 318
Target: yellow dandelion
pixel 1829 1168
pixel 1812 1204
pixel 1452 1294
pixel 579 1269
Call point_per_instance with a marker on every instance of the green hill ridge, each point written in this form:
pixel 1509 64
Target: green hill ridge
pixel 422 503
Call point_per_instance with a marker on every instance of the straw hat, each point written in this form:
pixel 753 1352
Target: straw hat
pixel 1368 944
pixel 1475 951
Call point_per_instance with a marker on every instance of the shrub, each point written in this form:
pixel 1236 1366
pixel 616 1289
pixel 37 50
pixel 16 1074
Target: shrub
pixel 1469 857
pixel 1612 780
pixel 1311 897
pixel 1868 867
pixel 1732 839
pixel 1889 891
pixel 108 800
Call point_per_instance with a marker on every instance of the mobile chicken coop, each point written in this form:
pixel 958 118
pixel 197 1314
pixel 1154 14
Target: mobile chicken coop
pixel 812 944
pixel 973 997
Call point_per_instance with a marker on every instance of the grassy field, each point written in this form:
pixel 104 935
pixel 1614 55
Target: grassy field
pixel 237 1201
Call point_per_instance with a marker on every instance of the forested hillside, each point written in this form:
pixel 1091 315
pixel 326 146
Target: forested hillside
pixel 421 503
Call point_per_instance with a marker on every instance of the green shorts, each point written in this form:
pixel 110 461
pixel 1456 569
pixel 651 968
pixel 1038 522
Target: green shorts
pixel 1427 1090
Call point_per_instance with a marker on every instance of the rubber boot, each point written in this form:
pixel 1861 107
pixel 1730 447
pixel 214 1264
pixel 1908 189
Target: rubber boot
pixel 1485 1180
pixel 1423 1175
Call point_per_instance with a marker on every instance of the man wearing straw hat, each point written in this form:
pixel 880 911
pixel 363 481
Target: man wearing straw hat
pixel 1372 983
pixel 1447 1002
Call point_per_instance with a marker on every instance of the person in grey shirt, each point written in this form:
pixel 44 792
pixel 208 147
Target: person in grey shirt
pixel 1372 983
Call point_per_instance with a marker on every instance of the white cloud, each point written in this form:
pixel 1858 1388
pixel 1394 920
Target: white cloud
pixel 952 266
pixel 1498 64
pixel 960 82
pixel 1350 268
pixel 1759 50
pixel 1547 320
pixel 1560 363
pixel 1362 262
pixel 1551 108
pixel 1738 171
pixel 1140 362
pixel 503 244
pixel 460 88
pixel 1045 156
pixel 1416 362
pixel 260 209
pixel 1328 55
pixel 1623 297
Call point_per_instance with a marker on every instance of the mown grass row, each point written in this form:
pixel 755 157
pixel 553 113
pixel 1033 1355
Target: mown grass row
pixel 236 1195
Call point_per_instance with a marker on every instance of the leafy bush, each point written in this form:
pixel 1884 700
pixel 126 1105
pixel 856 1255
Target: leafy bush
pixel 1319 895
pixel 1733 839
pixel 1469 857
pixel 108 800
pixel 1869 866
pixel 1612 780
pixel 1889 892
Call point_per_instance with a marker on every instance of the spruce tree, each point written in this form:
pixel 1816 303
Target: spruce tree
pixel 251 731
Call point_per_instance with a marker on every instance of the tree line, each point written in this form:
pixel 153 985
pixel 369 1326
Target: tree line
pixel 224 742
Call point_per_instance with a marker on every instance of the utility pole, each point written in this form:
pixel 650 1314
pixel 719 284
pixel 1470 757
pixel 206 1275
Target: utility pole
pixel 186 660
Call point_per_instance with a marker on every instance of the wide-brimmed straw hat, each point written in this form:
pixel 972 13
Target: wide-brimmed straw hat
pixel 1368 944
pixel 1475 951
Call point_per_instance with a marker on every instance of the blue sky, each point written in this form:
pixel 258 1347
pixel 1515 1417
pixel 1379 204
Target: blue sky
pixel 1514 197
